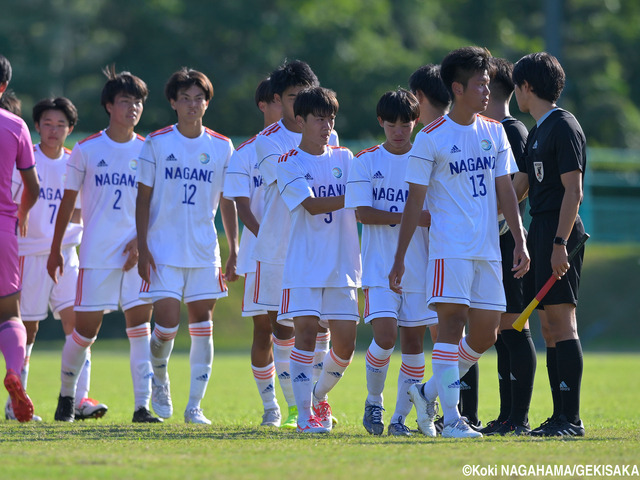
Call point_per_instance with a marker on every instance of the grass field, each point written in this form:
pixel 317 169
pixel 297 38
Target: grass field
pixel 236 447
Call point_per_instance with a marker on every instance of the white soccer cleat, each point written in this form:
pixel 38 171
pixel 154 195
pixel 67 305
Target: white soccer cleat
pixel 459 429
pixel 425 410
pixel 90 408
pixel 161 400
pixel 195 415
pixel 271 418
pixel 322 412
pixel 311 425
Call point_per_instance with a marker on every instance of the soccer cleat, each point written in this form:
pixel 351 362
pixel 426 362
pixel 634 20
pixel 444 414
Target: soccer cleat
pixel 195 415
pixel 459 429
pixel 292 419
pixel 550 420
pixel 8 413
pixel 271 418
pixel 561 427
pixel 509 428
pixel 20 402
pixel 476 426
pixel 372 419
pixel 322 410
pixel 425 410
pixel 492 426
pixel 65 410
pixel 399 429
pixel 142 415
pixel 90 408
pixel 312 425
pixel 439 424
pixel 161 399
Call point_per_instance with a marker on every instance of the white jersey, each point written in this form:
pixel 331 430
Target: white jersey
pixel 42 217
pixel 376 180
pixel 460 164
pixel 187 176
pixel 271 143
pixel 323 250
pixel 104 172
pixel 243 179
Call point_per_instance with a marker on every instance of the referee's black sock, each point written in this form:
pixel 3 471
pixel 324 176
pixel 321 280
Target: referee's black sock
pixel 569 355
pixel 552 372
pixel 504 382
pixel 523 369
pixel 469 394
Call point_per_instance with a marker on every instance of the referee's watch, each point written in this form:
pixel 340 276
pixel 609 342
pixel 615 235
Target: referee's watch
pixel 559 241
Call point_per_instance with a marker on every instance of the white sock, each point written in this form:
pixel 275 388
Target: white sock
pixel 74 354
pixel 301 368
pixel 84 379
pixel 24 374
pixel 200 359
pixel 281 354
pixel 467 357
pixel 377 365
pixel 332 370
pixel 265 378
pixel 161 346
pixel 444 361
pixel 322 347
pixel 140 364
pixel 411 371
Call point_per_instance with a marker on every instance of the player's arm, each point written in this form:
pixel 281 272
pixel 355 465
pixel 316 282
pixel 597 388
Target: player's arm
pixel 65 212
pixel 319 205
pixel 30 192
pixel 509 206
pixel 229 216
pixel 145 259
pixel 246 215
pixel 572 183
pixel 408 225
pixel 521 185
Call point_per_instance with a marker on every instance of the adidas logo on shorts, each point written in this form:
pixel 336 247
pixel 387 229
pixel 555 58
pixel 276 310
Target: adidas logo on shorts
pixel 171 158
pixel 378 174
pixel 455 149
pixel 102 163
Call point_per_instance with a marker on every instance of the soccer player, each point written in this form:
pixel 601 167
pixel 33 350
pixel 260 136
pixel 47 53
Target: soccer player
pixel 554 160
pixel 322 269
pixel 9 101
pixel 103 166
pixel 17 152
pixel 516 352
pixel 463 161
pixel 271 247
pixel 180 182
pixel 54 119
pixel 243 184
pixel 377 189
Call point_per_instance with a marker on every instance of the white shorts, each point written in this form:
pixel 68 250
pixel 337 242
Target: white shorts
pixel 340 303
pixel 475 283
pixel 268 286
pixel 104 289
pixel 409 308
pixel 192 284
pixel 40 292
pixel 249 308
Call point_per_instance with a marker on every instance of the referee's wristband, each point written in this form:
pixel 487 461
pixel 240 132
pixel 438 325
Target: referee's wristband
pixel 559 241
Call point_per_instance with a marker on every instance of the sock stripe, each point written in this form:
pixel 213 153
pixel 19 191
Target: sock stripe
pixel 298 356
pixel 377 362
pixel 323 337
pixel 81 341
pixel 339 361
pixel 464 354
pixel 289 342
pixel 415 372
pixel 264 375
pixel 201 331
pixel 141 331
pixel 165 336
pixel 444 356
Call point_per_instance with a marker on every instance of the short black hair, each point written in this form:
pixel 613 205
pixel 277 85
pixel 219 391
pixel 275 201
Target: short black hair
pixel 462 64
pixel 427 80
pixel 123 82
pixel 5 69
pixel 264 92
pixel 62 104
pixel 398 104
pixel 544 74
pixel 185 78
pixel 317 101
pixel 11 103
pixel 501 85
pixel 295 73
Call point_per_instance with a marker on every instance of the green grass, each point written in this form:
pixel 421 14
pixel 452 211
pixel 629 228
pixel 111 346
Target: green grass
pixel 236 447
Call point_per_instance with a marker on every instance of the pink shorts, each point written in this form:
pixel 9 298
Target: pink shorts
pixel 9 270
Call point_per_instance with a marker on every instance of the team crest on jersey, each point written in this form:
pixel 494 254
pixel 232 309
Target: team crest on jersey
pixel 337 172
pixel 204 158
pixel 539 169
pixel 485 144
pixel 133 164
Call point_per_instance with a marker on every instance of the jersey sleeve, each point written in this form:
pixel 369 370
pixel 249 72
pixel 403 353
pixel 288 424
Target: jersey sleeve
pixel 25 158
pixel 268 153
pixel 16 186
pixel 292 185
pixel 359 192
pixel 421 160
pixel 569 148
pixel 76 170
pixel 147 163
pixel 334 139
pixel 237 180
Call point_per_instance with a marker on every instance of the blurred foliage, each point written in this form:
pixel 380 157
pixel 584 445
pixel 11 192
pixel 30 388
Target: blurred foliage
pixel 358 48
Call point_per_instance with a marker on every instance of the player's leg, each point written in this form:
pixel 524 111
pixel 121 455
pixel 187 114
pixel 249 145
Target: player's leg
pixel 264 370
pixel 31 328
pixel 323 341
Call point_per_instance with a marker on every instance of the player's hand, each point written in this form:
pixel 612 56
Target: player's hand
pixel 23 222
pixel 559 261
pixel 131 251
pixel 425 219
pixel 145 264
pixel 395 276
pixel 55 261
pixel 521 261
pixel 230 274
